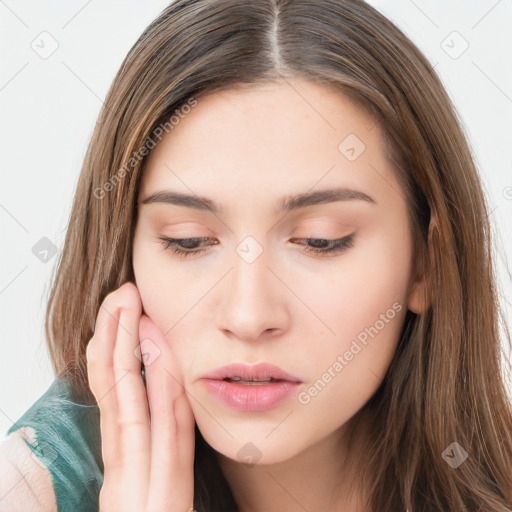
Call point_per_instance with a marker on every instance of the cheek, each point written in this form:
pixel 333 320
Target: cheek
pixel 362 285
pixel 165 299
pixel 152 282
pixel 364 308
pixel 349 366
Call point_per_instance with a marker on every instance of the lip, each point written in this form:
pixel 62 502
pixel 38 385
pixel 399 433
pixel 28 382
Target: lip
pixel 258 371
pixel 251 398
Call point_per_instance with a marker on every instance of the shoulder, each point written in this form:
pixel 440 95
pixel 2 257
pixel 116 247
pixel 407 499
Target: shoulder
pixel 64 464
pixel 25 483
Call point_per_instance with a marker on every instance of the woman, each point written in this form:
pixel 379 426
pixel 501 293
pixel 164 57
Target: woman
pixel 283 186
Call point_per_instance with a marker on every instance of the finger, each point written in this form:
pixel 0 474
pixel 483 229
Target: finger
pixel 100 350
pixel 133 419
pixel 172 425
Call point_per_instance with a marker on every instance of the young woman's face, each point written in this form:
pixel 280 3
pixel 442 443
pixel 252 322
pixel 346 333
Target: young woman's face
pixel 257 292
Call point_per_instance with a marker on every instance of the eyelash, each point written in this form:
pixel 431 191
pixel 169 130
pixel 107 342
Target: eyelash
pixel 338 246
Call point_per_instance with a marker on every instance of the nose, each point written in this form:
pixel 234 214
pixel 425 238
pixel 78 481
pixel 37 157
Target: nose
pixel 254 300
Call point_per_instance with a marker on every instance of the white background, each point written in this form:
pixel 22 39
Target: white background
pixel 49 107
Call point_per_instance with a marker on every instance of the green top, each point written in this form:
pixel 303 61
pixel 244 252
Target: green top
pixel 68 442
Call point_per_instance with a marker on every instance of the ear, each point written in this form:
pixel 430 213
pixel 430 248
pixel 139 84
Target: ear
pixel 419 299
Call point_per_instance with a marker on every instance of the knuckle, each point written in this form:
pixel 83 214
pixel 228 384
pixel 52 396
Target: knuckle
pixel 122 369
pixel 90 351
pixel 93 356
pixel 128 422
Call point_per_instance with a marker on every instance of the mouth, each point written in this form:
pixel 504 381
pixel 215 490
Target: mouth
pixel 251 375
pixel 251 388
pixel 252 382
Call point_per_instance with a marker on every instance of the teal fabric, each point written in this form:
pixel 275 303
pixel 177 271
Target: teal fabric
pixel 68 442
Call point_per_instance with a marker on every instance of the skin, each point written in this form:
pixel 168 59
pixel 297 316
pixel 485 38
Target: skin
pixel 246 149
pixel 147 433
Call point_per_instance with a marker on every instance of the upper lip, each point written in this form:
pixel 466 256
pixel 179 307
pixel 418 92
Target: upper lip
pixel 258 371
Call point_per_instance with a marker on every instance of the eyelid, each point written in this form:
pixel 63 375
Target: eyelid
pixel 337 246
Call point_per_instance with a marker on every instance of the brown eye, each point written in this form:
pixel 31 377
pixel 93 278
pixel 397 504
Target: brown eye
pixel 185 246
pixel 176 245
pixel 324 246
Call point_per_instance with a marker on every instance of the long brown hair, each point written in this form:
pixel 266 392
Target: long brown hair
pixel 445 383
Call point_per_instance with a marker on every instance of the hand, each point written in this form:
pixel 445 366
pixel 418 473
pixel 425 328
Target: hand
pixel 147 437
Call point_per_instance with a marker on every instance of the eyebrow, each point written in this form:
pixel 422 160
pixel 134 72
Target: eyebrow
pixel 286 204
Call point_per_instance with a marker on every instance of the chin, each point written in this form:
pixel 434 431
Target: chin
pixel 252 447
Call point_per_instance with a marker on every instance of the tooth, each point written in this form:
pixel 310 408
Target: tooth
pixel 240 379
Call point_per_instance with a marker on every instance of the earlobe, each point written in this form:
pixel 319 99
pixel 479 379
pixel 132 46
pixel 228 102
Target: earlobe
pixel 419 298
pixel 418 301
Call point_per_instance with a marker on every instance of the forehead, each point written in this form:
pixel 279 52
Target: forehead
pixel 284 137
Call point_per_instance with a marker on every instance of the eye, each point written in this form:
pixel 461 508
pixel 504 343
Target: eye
pixel 185 246
pixel 174 245
pixel 323 246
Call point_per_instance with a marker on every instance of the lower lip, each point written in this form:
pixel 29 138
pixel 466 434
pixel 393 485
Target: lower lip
pixel 250 398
